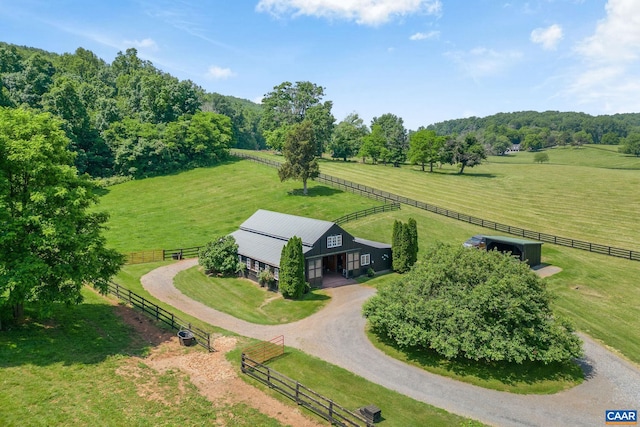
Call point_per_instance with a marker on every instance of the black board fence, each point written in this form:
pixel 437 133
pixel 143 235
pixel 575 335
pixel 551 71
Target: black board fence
pixel 303 396
pixel 366 212
pixel 203 338
pixel 517 231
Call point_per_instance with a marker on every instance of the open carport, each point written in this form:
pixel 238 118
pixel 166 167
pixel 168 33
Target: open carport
pixel 528 251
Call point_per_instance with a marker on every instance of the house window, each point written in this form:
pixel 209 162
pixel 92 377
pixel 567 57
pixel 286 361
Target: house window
pixel 256 265
pixel 248 263
pixel 276 273
pixel 365 259
pixel 314 268
pixel 334 241
pixel 353 261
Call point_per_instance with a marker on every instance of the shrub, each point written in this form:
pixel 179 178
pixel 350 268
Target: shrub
pixel 473 304
pixel 266 277
pixel 220 256
pixel 370 272
pixel 540 158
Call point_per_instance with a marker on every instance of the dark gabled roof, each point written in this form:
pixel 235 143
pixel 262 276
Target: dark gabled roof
pixel 284 226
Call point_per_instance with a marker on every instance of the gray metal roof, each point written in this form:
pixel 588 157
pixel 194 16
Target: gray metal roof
pixel 513 240
pixel 372 243
pixel 285 226
pixel 260 247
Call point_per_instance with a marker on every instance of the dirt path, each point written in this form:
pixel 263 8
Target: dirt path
pixel 336 334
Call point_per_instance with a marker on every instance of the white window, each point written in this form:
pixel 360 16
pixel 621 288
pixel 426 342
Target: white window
pixel 256 265
pixel 365 259
pixel 248 263
pixel 334 241
pixel 276 273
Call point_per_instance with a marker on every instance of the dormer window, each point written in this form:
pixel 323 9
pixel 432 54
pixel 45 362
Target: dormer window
pixel 334 241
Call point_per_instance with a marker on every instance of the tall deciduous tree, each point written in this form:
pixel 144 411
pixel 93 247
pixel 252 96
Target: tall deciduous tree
pixel 373 144
pixel 425 147
pixel 291 277
pixel 50 236
pixel 473 304
pixel 299 153
pixel 347 137
pixel 395 136
pixel 465 152
pixel 289 104
pixel 631 144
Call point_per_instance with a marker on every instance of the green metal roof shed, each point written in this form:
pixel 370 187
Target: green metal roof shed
pixel 528 251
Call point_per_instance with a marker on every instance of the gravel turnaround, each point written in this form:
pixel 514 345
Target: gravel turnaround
pixel 336 334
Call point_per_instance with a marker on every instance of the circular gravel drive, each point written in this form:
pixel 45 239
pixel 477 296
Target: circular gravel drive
pixel 336 334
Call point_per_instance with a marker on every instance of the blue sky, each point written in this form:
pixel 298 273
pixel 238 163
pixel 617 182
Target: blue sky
pixel 423 60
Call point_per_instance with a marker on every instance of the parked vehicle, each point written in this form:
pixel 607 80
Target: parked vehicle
pixel 477 241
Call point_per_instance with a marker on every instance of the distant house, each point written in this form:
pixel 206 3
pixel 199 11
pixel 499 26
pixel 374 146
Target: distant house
pixel 328 249
pixel 515 148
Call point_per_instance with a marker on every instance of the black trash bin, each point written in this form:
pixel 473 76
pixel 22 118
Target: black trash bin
pixel 186 337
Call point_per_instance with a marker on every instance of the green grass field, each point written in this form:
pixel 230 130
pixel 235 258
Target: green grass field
pixel 245 300
pixel 75 369
pixel 191 208
pixel 588 193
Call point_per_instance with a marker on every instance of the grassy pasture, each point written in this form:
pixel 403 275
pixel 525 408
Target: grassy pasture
pixel 191 208
pixel 76 369
pixel 588 193
pixel 245 300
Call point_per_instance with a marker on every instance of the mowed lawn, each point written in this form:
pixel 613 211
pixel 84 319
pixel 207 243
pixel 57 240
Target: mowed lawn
pixel 191 208
pixel 587 193
pixel 246 300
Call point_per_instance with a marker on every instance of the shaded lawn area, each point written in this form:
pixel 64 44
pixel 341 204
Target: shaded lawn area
pixel 246 300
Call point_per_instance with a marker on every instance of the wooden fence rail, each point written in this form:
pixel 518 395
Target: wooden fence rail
pixel 366 212
pixel 203 338
pixel 517 231
pixel 326 408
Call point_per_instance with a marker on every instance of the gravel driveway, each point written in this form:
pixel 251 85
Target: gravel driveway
pixel 336 334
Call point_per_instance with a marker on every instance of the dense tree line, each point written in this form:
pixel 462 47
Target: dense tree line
pixel 536 130
pixel 126 118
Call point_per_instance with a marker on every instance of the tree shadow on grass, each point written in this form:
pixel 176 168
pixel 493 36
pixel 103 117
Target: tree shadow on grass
pixel 83 334
pixel 512 375
pixel 316 191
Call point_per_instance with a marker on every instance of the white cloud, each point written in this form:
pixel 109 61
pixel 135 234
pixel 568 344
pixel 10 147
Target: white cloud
pixel 608 75
pixel 219 73
pixel 548 37
pixel 483 62
pixel 365 12
pixel 425 36
pixel 142 44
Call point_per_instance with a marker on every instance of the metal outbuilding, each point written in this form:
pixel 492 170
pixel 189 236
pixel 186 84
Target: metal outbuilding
pixel 529 251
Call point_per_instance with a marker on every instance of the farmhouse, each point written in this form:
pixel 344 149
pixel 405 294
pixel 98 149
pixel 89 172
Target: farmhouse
pixel 328 249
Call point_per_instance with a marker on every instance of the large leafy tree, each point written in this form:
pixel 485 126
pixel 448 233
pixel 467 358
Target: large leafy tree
pixel 395 136
pixel 373 144
pixel 299 153
pixel 464 151
pixel 288 104
pixel 425 147
pixel 631 144
pixel 50 235
pixel 291 277
pixel 472 304
pixel 347 137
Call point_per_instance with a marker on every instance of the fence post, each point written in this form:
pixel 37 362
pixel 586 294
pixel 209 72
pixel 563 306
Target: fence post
pixel 297 392
pixel 331 410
